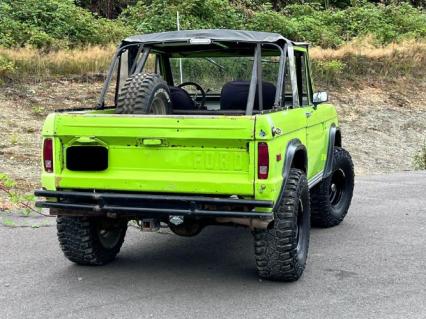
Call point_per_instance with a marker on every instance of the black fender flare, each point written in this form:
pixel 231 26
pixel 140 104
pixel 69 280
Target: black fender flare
pixel 293 147
pixel 333 137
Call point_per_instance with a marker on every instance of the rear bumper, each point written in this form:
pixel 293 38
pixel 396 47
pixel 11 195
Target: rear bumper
pixel 84 203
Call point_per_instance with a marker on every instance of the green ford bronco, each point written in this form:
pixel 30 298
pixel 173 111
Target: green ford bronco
pixel 198 128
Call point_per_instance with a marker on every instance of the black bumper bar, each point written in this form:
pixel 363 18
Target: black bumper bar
pixel 150 205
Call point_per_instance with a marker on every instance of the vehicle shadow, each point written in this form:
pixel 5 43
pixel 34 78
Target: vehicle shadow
pixel 216 255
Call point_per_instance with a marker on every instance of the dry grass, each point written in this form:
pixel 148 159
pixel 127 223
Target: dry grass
pixel 356 60
pixel 366 47
pixel 361 59
pixel 35 64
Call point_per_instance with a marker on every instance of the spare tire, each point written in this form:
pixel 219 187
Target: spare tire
pixel 143 94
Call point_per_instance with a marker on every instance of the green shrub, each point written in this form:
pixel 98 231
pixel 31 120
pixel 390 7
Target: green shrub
pixel 271 21
pixel 7 67
pixel 332 27
pixel 327 71
pixel 160 15
pixel 58 24
pixel 301 22
pixel 420 158
pixel 53 24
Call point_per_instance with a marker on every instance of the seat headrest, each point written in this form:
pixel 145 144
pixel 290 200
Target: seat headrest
pixel 234 95
pixel 181 100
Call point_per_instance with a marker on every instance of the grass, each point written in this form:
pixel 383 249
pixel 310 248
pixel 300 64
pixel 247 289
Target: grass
pixel 24 201
pixel 8 222
pixel 361 59
pixel 14 139
pixel 28 63
pixel 420 159
pixel 38 110
pixel 356 60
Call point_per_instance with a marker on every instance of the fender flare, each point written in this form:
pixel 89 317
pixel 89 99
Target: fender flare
pixel 293 146
pixel 333 137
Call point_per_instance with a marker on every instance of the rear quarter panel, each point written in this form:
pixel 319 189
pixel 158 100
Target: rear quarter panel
pixel 292 125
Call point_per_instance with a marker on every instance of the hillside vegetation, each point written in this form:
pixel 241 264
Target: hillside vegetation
pixel 355 61
pixel 55 24
pixel 41 39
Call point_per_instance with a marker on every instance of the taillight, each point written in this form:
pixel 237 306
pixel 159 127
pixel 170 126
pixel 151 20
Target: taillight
pixel 48 155
pixel 262 160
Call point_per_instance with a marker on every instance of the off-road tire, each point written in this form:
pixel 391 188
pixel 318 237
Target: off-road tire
pixel 80 241
pixel 143 94
pixel 281 250
pixel 328 210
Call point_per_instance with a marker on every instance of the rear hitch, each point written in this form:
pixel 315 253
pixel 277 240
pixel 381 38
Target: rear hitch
pixel 149 225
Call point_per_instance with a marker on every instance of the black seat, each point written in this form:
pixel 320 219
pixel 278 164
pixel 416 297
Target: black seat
pixel 181 100
pixel 234 95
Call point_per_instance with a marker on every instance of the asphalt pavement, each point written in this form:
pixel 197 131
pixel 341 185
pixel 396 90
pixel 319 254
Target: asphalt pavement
pixel 373 265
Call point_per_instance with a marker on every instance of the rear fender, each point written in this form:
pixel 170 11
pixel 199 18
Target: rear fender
pixel 295 157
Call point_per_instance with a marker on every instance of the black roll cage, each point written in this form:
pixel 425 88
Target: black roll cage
pixel 286 50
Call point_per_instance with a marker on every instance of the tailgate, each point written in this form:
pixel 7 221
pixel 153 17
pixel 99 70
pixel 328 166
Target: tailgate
pixel 148 153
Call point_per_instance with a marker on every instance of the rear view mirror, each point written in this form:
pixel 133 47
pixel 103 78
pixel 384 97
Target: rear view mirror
pixel 320 97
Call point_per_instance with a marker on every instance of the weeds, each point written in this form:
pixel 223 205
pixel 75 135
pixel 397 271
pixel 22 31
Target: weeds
pixel 14 139
pixel 328 71
pixel 27 63
pixel 420 158
pixel 8 222
pixel 6 66
pixel 38 110
pixel 24 201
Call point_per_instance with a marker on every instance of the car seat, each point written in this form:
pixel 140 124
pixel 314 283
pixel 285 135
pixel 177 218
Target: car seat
pixel 234 95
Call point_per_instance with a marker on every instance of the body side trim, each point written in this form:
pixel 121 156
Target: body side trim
pixel 315 180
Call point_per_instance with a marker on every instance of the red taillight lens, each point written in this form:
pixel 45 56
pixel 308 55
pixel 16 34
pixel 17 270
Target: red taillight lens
pixel 262 160
pixel 48 155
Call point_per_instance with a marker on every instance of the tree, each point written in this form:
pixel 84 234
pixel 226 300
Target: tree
pixel 106 8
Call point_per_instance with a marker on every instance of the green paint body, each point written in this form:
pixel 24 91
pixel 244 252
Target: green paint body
pixel 205 155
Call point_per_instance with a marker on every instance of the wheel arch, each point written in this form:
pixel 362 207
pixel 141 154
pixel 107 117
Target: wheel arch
pixel 296 156
pixel 338 138
pixel 334 139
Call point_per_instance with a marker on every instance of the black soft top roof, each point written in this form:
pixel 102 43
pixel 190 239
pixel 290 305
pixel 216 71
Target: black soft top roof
pixel 214 35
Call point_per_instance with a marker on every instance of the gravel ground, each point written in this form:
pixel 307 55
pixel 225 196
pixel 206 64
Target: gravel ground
pixel 383 126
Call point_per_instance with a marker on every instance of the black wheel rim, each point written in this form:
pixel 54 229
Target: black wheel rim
pixel 109 234
pixel 337 187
